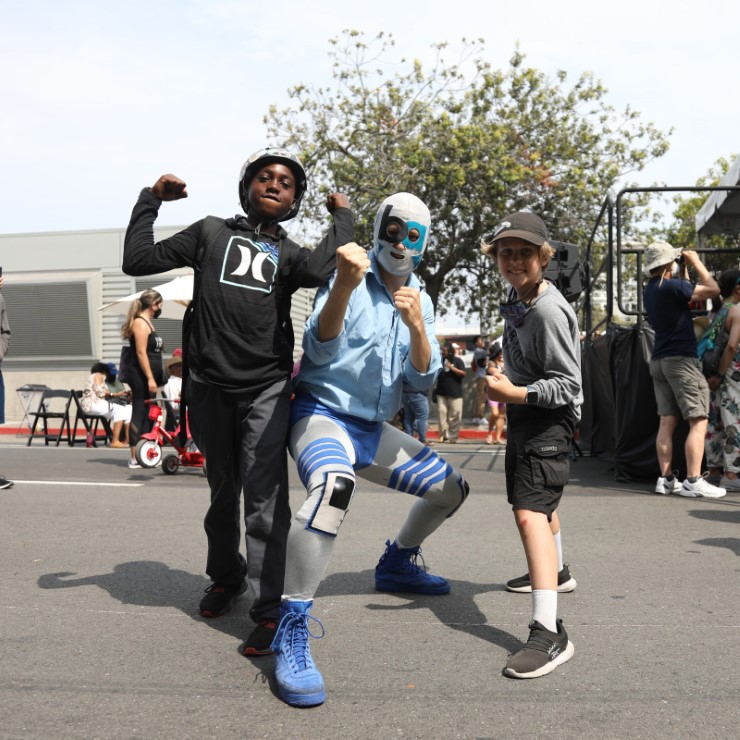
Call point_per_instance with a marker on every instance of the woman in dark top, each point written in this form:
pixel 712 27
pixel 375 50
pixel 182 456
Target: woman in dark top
pixel 146 348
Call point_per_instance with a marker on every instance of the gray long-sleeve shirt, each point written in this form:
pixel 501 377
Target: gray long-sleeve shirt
pixel 545 352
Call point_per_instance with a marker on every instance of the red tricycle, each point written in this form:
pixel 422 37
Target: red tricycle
pixel 149 452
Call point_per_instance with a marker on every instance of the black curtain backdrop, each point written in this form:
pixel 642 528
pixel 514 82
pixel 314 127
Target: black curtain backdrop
pixel 620 418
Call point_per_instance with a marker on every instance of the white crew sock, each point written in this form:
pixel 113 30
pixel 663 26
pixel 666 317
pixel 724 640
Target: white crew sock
pixel 545 608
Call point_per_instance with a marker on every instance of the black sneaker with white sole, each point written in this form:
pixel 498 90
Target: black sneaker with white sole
pixel 5 483
pixel 522 585
pixel 543 653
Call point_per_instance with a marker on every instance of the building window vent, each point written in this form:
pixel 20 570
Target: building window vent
pixel 50 320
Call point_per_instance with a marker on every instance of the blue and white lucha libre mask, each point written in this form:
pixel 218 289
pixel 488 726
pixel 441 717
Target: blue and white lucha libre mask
pixel 402 219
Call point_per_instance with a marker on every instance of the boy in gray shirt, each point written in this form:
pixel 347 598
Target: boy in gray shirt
pixel 543 395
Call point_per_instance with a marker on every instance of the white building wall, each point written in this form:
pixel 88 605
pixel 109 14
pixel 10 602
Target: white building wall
pixel 92 258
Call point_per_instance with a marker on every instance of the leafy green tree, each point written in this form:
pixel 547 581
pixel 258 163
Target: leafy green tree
pixel 474 142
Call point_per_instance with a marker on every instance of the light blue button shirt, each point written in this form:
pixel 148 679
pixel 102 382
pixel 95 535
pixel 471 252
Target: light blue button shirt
pixel 361 371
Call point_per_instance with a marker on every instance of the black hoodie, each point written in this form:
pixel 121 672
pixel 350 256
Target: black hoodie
pixel 240 335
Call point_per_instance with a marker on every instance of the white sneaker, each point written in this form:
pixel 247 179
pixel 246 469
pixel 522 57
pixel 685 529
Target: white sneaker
pixel 475 421
pixel 133 464
pixel 730 484
pixel 664 487
pixel 701 489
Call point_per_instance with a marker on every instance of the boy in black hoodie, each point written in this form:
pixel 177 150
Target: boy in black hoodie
pixel 238 356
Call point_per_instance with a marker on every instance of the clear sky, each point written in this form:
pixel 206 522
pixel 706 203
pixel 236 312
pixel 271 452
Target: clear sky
pixel 100 98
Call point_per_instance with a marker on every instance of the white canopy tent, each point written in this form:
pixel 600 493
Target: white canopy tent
pixel 176 293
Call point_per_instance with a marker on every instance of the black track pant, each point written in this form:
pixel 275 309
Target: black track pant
pixel 244 442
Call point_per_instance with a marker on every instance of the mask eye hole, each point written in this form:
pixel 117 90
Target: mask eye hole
pixel 414 236
pixel 392 231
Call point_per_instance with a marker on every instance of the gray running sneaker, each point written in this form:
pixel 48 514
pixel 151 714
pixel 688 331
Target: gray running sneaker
pixel 543 653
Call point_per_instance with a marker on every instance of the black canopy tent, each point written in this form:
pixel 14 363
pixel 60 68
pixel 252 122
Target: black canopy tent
pixel 619 419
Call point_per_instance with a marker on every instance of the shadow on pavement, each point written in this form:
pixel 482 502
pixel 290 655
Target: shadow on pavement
pixel 153 584
pixel 457 610
pixel 717 515
pixel 731 543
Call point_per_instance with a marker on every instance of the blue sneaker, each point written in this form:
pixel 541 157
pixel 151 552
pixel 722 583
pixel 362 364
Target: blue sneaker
pixel 299 683
pixel 397 571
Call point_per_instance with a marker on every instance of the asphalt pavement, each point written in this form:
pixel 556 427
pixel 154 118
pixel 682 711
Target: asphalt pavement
pixel 103 569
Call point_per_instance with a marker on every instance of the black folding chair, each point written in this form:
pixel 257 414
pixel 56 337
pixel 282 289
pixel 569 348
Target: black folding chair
pixel 91 424
pixel 53 407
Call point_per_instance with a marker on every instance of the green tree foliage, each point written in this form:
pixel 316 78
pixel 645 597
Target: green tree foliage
pixel 474 142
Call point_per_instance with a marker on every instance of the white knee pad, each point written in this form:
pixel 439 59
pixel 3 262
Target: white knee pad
pixel 334 496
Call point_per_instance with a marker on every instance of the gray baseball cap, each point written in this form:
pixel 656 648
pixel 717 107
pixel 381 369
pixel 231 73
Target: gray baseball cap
pixel 523 224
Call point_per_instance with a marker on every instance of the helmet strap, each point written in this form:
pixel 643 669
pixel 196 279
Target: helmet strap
pixel 258 228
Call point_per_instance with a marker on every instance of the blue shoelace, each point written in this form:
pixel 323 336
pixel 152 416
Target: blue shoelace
pixel 411 564
pixel 294 628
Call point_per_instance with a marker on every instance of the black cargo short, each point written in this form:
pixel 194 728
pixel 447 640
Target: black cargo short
pixel 538 446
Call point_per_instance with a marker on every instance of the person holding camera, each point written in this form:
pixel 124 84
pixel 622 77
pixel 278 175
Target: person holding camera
pixel 681 389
